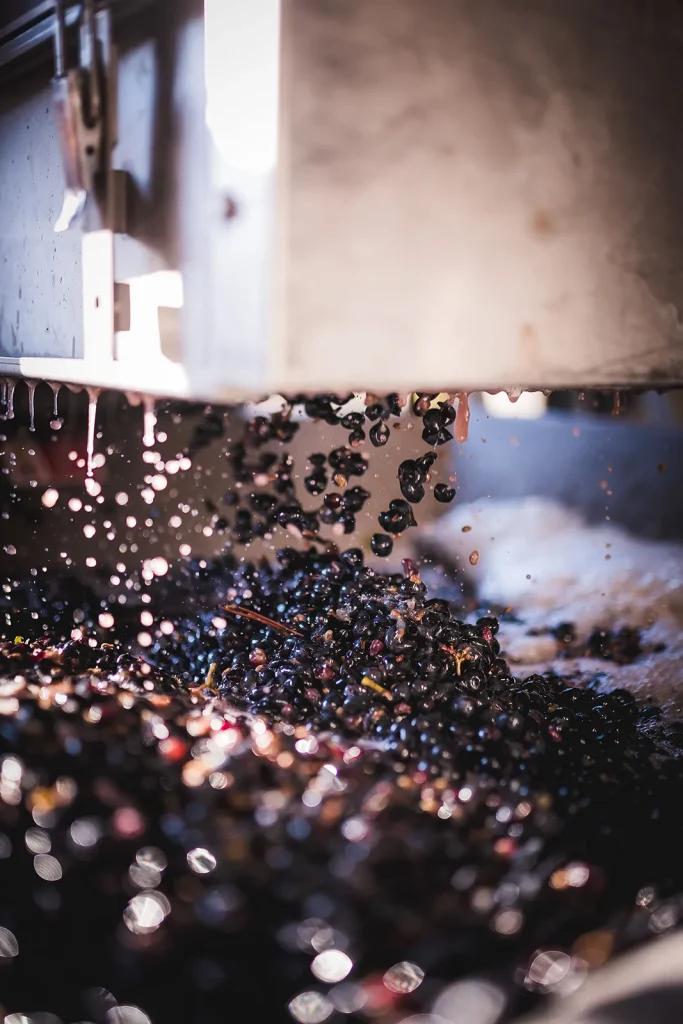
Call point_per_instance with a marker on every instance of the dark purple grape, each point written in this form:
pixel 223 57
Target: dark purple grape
pixel 315 483
pixel 410 471
pixel 426 461
pixel 434 419
pixel 374 411
pixel 413 492
pixel 381 544
pixel 354 499
pixel 398 517
pixel 353 421
pixel 379 434
pixel 422 403
pixel 444 493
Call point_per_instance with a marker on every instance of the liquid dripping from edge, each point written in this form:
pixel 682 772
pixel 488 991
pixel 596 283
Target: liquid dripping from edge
pixel 31 385
pixel 462 418
pixel 9 400
pixel 616 408
pixel 3 392
pixel 56 388
pixel 149 422
pixel 93 395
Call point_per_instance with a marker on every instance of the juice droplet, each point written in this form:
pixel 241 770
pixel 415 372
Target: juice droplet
pixel 616 408
pixel 149 422
pixel 462 418
pixel 93 395
pixel 3 391
pixel 50 497
pixel 31 385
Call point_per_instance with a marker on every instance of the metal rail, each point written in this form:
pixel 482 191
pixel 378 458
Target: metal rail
pixel 35 29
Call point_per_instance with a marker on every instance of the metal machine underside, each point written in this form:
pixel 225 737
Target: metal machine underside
pixel 301 196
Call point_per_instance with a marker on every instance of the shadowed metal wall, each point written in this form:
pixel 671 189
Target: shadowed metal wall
pixel 353 195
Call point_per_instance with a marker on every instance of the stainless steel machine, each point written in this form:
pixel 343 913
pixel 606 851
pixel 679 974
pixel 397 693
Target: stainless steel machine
pixel 233 198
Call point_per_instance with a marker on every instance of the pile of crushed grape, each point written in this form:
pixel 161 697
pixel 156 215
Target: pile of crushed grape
pixel 322 795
